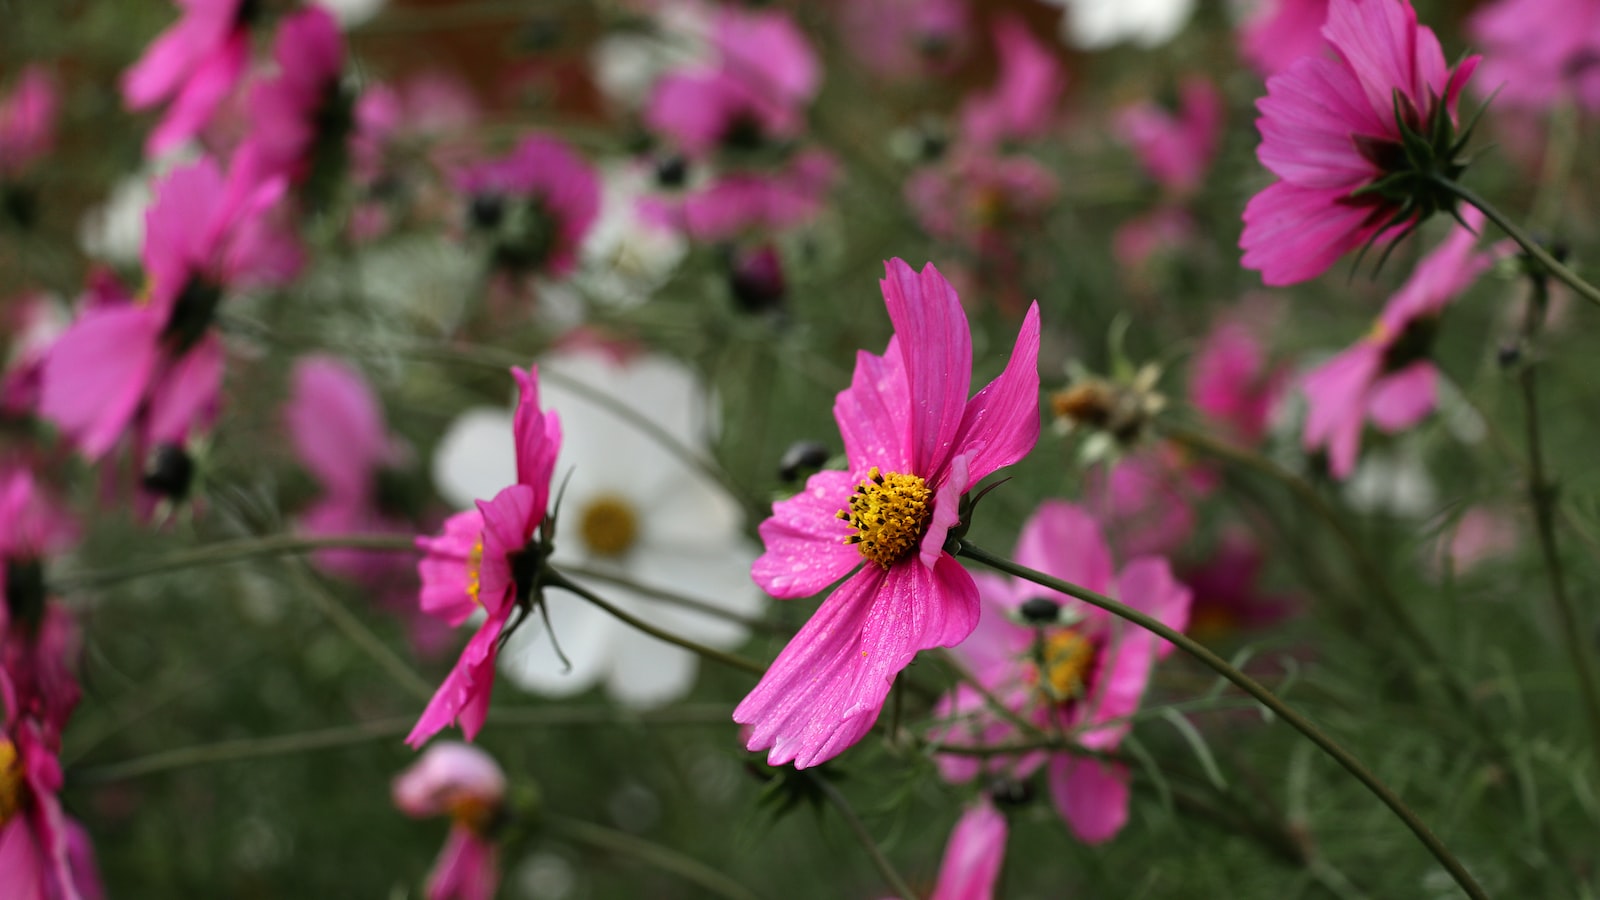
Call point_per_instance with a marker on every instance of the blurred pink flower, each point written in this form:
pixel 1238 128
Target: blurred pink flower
pixel 1226 590
pixel 1330 133
pixel 536 204
pixel 1175 149
pixel 43 853
pixel 464 783
pixel 1024 102
pixel 195 63
pixel 755 92
pixel 1147 500
pixel 486 559
pixel 976 198
pixel 1537 53
pixel 1387 376
pixel 905 39
pixel 915 445
pixel 155 361
pixel 1279 32
pixel 33 322
pixel 1480 535
pixel 1233 381
pixel 27 121
pixel 1142 240
pixel 748 201
pixel 290 111
pixel 973 857
pixel 1083 678
pixel 38 639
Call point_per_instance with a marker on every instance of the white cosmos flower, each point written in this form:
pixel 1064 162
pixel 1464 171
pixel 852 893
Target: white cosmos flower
pixel 630 507
pixel 1094 24
pixel 351 13
pixel 626 258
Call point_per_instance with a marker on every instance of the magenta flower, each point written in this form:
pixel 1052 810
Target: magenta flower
pixel 33 321
pixel 1023 103
pixel 754 93
pixel 978 198
pixel 536 204
pixel 1147 500
pixel 1280 32
pixel 155 362
pixel 488 559
pixel 749 201
pixel 42 852
pixel 1233 382
pixel 290 112
pixel 915 444
pixel 464 783
pixel 1175 149
pixel 1354 140
pixel 905 39
pixel 196 64
pixel 1084 677
pixel 1537 53
pixel 27 122
pixel 974 856
pixel 1387 376
pixel 1227 591
pixel 39 640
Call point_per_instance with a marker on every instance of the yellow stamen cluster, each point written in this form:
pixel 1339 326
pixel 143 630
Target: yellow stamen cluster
pixel 10 781
pixel 1065 658
pixel 474 567
pixel 609 526
pixel 890 514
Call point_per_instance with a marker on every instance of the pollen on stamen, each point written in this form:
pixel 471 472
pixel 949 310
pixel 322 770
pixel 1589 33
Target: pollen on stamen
pixel 890 513
pixel 474 567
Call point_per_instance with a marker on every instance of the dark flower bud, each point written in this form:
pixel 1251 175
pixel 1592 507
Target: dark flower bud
pixel 672 171
pixel 756 280
pixel 1040 611
pixel 487 210
pixel 169 472
pixel 1011 792
pixel 802 457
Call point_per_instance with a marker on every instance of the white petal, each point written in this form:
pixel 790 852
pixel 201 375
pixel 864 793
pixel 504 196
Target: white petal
pixel 647 673
pixel 587 635
pixel 719 576
pixel 475 458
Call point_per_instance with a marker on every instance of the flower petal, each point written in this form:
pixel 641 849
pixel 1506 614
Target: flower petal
pixel 872 413
pixel 95 375
pixel 973 857
pixel 805 537
pixel 1405 398
pixel 936 344
pixel 1091 795
pixel 1000 424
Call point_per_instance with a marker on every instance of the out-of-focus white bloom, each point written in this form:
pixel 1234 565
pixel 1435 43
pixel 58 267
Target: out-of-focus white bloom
pixel 626 66
pixel 1094 24
pixel 351 13
pixel 427 275
pixel 1396 483
pixel 626 258
pixel 629 507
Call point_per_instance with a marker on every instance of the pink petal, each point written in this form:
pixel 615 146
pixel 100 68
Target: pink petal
pixel 1336 394
pixel 1063 540
pixel 1091 795
pixel 1000 424
pixel 95 375
pixel 1405 398
pixel 1292 234
pixel 185 395
pixel 974 855
pixel 463 697
pixel 509 521
pixel 946 512
pixel 872 413
pixel 443 570
pixel 336 425
pixel 201 93
pixel 805 538
pixel 468 868
pixel 936 345
pixel 538 437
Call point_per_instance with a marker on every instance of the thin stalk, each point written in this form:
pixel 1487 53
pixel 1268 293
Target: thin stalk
pixel 1568 277
pixel 1542 498
pixel 651 854
pixel 674 598
pixel 896 881
pixel 351 626
pixel 555 579
pixel 1252 687
pixel 244 549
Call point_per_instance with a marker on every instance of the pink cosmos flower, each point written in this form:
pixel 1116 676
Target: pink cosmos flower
pixel 43 853
pixel 155 362
pixel 464 783
pixel 33 322
pixel 487 559
pixel 1084 678
pixel 27 121
pixel 1387 376
pixel 1175 150
pixel 976 197
pixel 1147 500
pixel 1227 593
pixel 755 92
pixel 915 444
pixel 973 858
pixel 289 111
pixel 1539 52
pixel 1023 103
pixel 1234 383
pixel 1280 32
pixel 1481 534
pixel 1341 135
pixel 536 204
pixel 195 63
pixel 749 201
pixel 905 39
pixel 38 640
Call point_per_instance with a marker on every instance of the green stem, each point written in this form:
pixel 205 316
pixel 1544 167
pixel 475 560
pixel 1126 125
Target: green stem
pixel 1568 277
pixel 555 579
pixel 896 881
pixel 224 552
pixel 1253 688
pixel 676 599
pixel 652 854
pixel 359 634
pixel 1542 497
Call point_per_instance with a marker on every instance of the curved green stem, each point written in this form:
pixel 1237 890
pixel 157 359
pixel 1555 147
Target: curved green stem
pixel 664 858
pixel 552 578
pixel 672 597
pixel 1253 688
pixel 224 552
pixel 1568 277
pixel 857 827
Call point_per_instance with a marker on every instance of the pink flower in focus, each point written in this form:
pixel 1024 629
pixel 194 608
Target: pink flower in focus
pixel 1537 53
pixel 915 444
pixel 1175 150
pixel 1022 105
pixel 1280 32
pixel 155 361
pixel 1387 376
pixel 972 859
pixel 1330 133
pixel 1084 677
pixel 289 110
pixel 27 121
pixel 464 783
pixel 42 852
pixel 1233 381
pixel 536 204
pixel 486 559
pixel 196 64
pixel 756 91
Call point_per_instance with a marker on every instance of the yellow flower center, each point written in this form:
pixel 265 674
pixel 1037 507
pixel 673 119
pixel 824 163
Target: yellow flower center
pixel 608 526
pixel 10 781
pixel 890 514
pixel 472 811
pixel 474 568
pixel 1065 658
